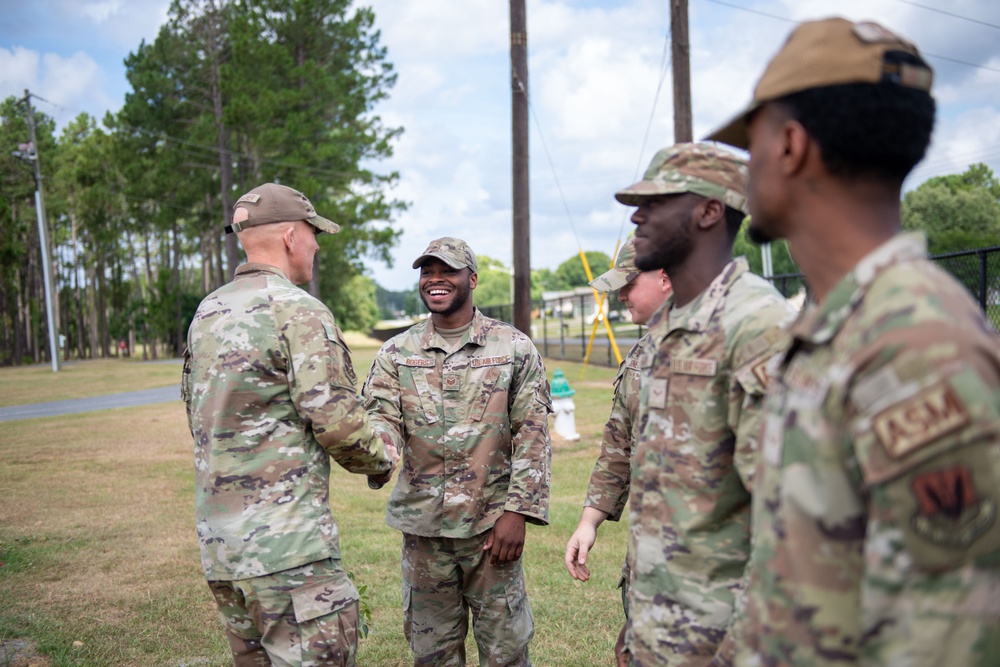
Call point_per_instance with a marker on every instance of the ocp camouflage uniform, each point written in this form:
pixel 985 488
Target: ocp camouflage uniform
pixel 608 490
pixel 472 429
pixel 692 471
pixel 876 539
pixel 270 396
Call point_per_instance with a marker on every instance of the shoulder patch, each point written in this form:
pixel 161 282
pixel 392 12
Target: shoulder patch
pixel 479 362
pixel 700 367
pixel 416 362
pixel 761 370
pixel 920 419
pixel 950 511
pixel 633 363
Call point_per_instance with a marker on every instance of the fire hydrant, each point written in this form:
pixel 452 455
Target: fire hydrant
pixel 563 407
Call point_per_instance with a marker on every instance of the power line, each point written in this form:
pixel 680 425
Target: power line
pixel 957 16
pixel 793 21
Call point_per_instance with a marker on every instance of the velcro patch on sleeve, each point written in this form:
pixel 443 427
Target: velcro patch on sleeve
pixel 417 362
pixel 950 511
pixel 700 367
pixel 633 363
pixel 920 419
pixel 479 362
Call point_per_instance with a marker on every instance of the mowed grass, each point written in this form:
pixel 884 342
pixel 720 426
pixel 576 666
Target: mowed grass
pixel 99 561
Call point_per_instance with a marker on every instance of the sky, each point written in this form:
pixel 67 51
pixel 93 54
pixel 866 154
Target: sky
pixel 600 94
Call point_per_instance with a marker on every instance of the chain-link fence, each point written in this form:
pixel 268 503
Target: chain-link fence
pixel 561 326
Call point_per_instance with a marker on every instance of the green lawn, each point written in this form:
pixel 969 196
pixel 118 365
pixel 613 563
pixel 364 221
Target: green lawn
pixel 98 557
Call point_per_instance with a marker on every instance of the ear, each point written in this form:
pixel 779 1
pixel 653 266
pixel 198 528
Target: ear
pixel 288 236
pixel 473 280
pixel 709 213
pixel 795 147
pixel 665 285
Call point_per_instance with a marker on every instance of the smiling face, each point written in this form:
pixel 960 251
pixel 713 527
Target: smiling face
pixel 447 292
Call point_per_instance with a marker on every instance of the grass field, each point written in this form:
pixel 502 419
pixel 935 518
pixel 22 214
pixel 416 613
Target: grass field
pixel 98 556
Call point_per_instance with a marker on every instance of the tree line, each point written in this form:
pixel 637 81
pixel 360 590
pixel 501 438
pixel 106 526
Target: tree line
pixel 230 94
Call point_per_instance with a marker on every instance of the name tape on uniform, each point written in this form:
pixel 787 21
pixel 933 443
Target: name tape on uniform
pixel 417 362
pixel 700 367
pixel 479 362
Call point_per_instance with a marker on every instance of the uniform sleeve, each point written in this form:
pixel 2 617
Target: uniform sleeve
pixel 324 392
pixel 609 482
pixel 758 343
pixel 383 397
pixel 530 406
pixel 924 420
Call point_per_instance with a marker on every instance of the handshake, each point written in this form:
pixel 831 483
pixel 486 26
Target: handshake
pixel 378 481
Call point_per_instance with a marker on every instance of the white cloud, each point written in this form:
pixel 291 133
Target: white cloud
pixel 98 12
pixel 67 84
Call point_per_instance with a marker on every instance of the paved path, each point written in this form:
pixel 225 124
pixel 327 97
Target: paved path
pixel 126 400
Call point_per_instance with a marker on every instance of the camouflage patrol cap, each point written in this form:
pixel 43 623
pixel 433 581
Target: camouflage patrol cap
pixel 623 272
pixel 456 253
pixel 831 52
pixel 271 203
pixel 699 168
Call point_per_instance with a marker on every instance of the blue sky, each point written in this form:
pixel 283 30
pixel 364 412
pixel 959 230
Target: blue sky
pixel 594 71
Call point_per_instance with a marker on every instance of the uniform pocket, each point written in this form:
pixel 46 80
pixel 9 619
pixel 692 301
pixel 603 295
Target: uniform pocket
pixel 327 614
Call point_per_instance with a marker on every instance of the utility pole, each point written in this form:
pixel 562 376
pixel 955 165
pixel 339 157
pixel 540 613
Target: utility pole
pixel 519 128
pixel 680 54
pixel 43 235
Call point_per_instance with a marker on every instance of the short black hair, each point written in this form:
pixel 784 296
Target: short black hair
pixel 867 130
pixel 734 220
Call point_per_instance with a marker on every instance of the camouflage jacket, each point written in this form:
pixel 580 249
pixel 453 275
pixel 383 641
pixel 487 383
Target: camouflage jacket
pixel 609 482
pixel 270 396
pixel 471 427
pixel 690 510
pixel 875 532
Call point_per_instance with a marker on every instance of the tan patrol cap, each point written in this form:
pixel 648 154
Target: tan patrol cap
pixel 829 52
pixel 456 253
pixel 270 203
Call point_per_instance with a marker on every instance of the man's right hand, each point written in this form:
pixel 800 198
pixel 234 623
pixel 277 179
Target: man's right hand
pixel 378 481
pixel 577 548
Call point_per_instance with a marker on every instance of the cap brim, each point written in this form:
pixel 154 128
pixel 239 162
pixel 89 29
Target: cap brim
pixel 450 262
pixel 636 193
pixel 324 225
pixel 613 280
pixel 734 133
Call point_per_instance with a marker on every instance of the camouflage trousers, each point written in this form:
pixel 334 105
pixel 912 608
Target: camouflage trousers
pixel 303 617
pixel 664 633
pixel 443 580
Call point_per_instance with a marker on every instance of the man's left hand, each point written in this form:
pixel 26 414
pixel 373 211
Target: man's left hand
pixel 506 541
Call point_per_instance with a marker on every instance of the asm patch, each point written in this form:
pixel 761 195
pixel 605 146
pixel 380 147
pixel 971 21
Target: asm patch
pixel 920 419
pixel 949 510
pixel 633 363
pixel 700 367
pixel 479 362
pixel 417 362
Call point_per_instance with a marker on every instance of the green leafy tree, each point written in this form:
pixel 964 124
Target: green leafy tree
pixel 956 212
pixel 494 288
pixel 571 274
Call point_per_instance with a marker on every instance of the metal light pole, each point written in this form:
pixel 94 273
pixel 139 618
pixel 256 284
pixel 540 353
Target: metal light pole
pixel 43 235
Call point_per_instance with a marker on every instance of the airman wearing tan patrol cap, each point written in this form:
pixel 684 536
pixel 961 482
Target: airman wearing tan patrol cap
pixel 874 511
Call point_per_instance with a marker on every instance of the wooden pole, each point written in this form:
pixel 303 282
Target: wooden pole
pixel 519 132
pixel 680 53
